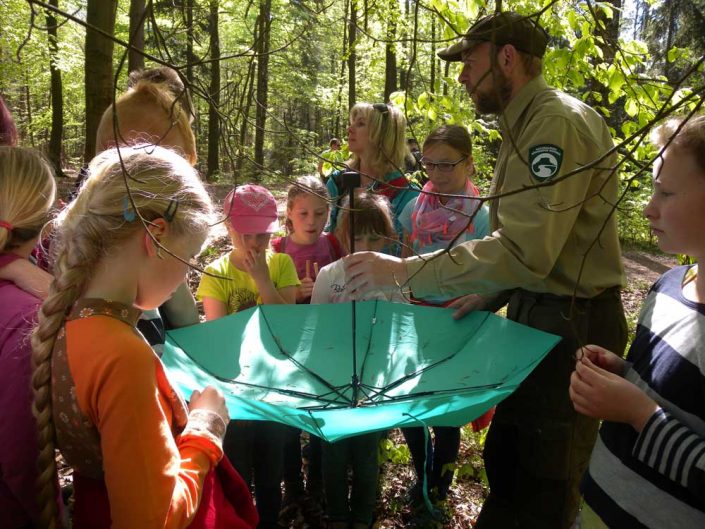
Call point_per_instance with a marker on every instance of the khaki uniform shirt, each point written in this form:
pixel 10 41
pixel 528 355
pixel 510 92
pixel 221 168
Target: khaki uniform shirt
pixel 540 237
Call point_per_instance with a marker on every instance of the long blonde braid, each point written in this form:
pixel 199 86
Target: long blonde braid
pixel 101 218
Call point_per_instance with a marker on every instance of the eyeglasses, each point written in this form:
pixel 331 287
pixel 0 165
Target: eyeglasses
pixel 443 167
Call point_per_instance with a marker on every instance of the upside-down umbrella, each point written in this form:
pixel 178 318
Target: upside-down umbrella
pixel 404 365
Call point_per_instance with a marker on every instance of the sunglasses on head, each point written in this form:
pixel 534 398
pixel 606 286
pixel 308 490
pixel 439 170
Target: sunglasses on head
pixel 381 107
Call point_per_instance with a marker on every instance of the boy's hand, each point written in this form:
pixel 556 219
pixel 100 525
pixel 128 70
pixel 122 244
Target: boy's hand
pixel 597 393
pixel 603 358
pixel 305 290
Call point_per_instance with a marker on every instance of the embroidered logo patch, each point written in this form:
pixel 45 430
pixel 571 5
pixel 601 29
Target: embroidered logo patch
pixel 545 161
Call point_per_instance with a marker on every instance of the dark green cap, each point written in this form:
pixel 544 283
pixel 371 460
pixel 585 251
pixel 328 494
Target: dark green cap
pixel 501 28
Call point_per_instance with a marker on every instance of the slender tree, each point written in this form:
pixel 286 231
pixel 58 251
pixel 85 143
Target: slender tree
pixel 352 54
pixel 100 15
pixel 57 93
pixel 135 60
pixel 214 93
pixel 264 20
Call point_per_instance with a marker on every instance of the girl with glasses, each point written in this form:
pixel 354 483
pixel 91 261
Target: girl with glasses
pixel 445 208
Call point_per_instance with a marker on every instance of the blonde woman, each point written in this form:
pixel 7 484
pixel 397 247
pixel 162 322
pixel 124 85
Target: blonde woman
pixel 377 142
pixel 27 192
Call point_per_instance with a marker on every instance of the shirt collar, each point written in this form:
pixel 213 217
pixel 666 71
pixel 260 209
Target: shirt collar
pixel 86 307
pixel 518 104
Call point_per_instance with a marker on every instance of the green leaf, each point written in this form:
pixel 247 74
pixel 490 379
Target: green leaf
pixel 631 108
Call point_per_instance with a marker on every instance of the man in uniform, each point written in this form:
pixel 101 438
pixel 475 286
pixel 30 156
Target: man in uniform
pixel 553 253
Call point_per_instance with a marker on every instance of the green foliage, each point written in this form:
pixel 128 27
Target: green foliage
pixel 397 454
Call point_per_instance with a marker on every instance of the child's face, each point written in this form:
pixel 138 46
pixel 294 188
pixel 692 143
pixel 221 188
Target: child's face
pixel 447 178
pixel 369 242
pixel 244 242
pixel 308 215
pixel 161 277
pixel 676 210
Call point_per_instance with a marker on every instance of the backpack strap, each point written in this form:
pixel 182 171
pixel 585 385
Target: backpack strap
pixel 337 252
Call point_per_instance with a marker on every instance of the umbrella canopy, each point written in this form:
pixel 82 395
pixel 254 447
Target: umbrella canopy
pixel 294 364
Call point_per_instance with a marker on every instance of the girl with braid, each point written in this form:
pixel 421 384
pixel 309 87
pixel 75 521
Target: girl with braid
pixel 141 457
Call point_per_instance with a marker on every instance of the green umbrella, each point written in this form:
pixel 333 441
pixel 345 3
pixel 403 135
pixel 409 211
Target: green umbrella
pixel 415 365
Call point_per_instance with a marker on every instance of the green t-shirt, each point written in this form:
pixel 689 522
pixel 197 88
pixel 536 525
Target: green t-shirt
pixel 239 291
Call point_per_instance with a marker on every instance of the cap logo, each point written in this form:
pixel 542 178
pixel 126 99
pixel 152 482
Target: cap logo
pixel 545 161
pixel 254 199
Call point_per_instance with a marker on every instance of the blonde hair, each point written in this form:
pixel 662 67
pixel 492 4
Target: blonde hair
pixel 27 192
pixel 305 185
pixel 373 215
pixel 387 131
pixel 162 185
pixel 690 139
pixel 148 113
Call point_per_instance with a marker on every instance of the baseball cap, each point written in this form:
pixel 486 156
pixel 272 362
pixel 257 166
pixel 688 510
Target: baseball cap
pixel 502 28
pixel 251 209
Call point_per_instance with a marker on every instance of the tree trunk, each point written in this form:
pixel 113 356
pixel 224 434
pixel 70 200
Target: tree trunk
pixel 608 32
pixel 28 108
pixel 390 63
pixel 100 14
pixel 214 94
pixel 189 42
pixel 265 8
pixel 352 55
pixel 57 94
pixel 135 60
pixel 434 60
pixel 245 103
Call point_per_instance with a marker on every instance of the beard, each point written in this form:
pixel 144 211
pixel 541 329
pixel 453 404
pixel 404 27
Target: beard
pixel 495 100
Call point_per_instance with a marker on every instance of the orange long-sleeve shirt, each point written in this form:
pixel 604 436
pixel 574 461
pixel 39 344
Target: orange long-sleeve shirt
pixel 154 456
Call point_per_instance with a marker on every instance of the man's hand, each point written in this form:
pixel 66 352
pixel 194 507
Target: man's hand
pixel 466 304
pixel 371 272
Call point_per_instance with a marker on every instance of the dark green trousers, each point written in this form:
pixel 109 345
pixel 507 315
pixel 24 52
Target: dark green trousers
pixel 538 447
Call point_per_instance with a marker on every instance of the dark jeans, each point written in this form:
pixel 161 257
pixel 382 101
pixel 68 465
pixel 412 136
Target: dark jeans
pixel 256 450
pixel 293 479
pixel 361 453
pixel 538 447
pixel 443 450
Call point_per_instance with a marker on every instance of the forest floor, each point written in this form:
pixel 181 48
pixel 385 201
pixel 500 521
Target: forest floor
pixel 642 267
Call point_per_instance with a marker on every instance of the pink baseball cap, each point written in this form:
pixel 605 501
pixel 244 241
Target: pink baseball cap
pixel 252 209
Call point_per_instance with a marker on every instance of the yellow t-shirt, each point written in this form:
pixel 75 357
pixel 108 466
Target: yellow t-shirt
pixel 239 291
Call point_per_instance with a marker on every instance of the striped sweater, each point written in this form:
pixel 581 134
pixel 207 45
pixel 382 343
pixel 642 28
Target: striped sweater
pixel 657 478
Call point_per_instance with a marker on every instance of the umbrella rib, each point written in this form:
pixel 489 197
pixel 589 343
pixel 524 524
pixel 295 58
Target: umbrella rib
pixel 369 342
pixel 287 392
pixel 293 360
pixel 385 389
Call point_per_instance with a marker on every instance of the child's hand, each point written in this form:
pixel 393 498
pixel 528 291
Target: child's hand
pixel 255 264
pixel 598 393
pixel 209 399
pixel 28 277
pixel 603 358
pixel 305 290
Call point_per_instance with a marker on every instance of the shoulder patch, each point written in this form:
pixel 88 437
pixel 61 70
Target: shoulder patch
pixel 545 161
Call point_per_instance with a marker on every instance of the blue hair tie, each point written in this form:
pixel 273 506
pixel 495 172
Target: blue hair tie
pixel 127 212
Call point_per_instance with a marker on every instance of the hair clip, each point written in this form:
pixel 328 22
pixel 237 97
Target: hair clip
pixel 170 211
pixel 127 212
pixel 381 107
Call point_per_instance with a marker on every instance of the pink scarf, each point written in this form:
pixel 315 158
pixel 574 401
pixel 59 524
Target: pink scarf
pixel 433 222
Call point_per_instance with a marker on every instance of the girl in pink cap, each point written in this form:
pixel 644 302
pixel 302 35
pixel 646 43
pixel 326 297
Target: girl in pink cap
pixel 249 275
